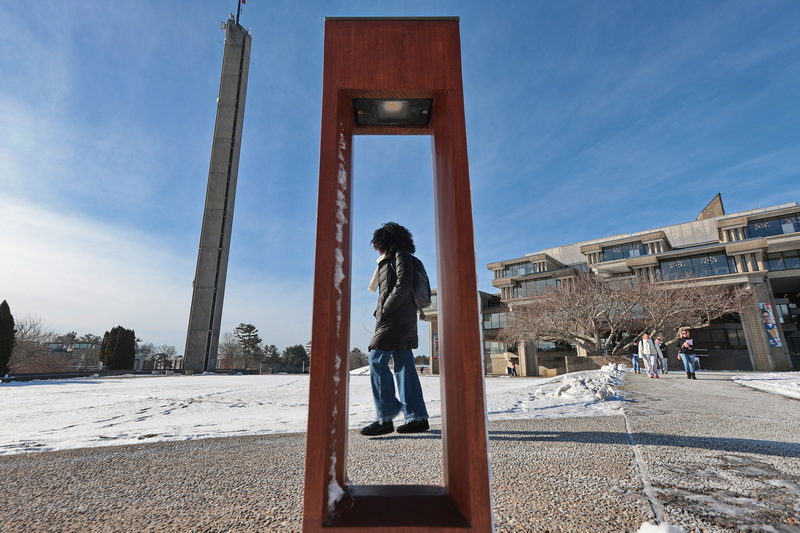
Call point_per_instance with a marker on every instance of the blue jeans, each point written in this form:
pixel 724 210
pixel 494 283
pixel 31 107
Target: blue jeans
pixel 387 406
pixel 635 361
pixel 688 361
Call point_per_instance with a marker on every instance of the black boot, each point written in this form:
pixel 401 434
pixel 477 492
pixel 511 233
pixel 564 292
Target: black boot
pixel 693 376
pixel 377 428
pixel 688 375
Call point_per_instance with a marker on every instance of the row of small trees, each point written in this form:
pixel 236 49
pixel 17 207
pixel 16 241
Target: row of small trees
pixel 243 349
pixel 24 344
pixel 25 347
pixel 359 359
pixel 603 317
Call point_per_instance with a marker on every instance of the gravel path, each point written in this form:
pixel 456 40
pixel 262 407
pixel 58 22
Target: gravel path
pixel 708 455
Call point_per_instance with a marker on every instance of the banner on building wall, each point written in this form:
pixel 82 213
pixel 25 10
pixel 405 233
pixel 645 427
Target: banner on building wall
pixel 769 324
pixel 436 346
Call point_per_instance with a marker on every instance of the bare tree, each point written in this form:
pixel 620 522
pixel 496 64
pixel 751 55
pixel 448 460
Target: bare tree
pixel 668 307
pixel 164 356
pixel 147 349
pixel 604 317
pixel 31 353
pixel 584 311
pixel 229 352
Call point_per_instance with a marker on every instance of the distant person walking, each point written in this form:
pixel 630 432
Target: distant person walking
pixel 686 353
pixel 637 369
pixel 395 335
pixel 650 352
pixel 662 359
pixel 512 369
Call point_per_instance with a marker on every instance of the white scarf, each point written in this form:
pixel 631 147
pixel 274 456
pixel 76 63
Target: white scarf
pixel 373 285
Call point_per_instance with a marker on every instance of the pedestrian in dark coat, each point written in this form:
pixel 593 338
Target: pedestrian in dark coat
pixel 396 312
pixel 663 358
pixel 395 335
pixel 635 358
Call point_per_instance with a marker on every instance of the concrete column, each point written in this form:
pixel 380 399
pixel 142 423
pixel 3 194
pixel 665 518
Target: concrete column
pixel 752 263
pixel 528 359
pixel 208 292
pixel 433 345
pixel 759 260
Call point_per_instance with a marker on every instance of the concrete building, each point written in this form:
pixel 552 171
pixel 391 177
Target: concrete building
pixel 759 248
pixel 491 313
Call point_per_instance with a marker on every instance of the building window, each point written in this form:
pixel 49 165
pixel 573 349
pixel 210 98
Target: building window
pixel 783 260
pixel 492 347
pixel 493 301
pixel 614 253
pixel 532 287
pixel 784 314
pixel 495 320
pixel 544 346
pixel 773 226
pixel 519 269
pixel 697 266
pixel 736 339
pixel 720 339
pixel 790 224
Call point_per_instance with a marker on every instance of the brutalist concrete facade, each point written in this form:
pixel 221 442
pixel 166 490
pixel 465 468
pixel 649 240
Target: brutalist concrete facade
pixel 215 237
pixel 758 249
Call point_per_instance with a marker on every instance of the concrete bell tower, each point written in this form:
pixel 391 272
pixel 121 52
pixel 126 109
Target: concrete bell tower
pixel 208 290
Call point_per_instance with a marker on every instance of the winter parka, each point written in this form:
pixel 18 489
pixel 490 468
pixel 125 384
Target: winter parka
pixel 396 312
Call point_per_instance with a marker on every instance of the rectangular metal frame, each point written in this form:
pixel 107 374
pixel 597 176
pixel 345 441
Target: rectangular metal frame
pixel 396 58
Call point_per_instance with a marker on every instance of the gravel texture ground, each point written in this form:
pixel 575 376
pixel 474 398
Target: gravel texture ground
pixel 707 455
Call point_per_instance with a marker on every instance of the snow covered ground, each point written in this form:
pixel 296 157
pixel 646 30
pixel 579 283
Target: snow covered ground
pixel 785 383
pixel 77 413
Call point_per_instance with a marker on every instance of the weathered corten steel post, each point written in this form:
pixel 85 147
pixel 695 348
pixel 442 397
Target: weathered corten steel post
pixel 396 77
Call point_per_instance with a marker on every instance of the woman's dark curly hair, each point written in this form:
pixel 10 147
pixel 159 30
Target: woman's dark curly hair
pixel 392 237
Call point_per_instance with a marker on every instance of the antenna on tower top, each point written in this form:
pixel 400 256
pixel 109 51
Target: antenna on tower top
pixel 239 10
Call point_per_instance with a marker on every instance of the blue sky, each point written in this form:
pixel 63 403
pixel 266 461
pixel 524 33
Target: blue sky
pixel 584 120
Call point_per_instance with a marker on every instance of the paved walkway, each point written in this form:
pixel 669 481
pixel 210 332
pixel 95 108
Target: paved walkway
pixel 708 455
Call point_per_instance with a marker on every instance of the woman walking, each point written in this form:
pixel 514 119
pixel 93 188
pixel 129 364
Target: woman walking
pixel 686 353
pixel 395 335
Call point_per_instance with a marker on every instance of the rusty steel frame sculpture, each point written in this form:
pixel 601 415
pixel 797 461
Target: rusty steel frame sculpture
pixel 396 59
